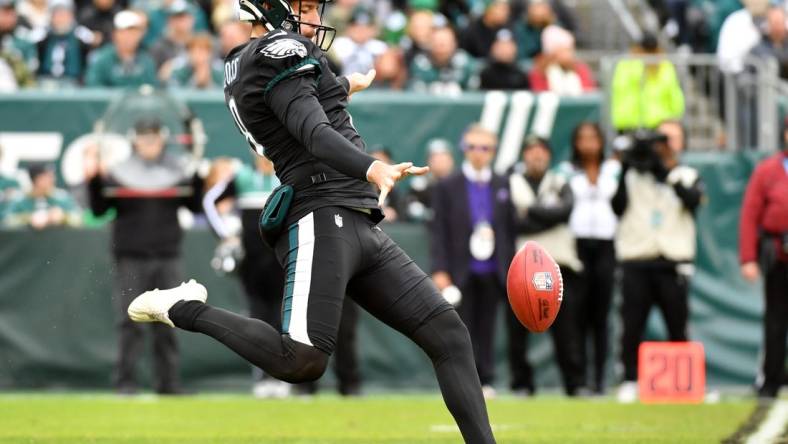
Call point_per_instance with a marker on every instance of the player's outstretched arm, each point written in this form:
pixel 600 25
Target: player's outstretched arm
pixel 294 102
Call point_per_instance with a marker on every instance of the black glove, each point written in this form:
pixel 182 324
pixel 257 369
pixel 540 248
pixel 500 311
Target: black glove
pixel 659 171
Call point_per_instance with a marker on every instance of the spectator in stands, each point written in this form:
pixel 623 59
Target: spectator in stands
pixel 357 50
pixel 502 70
pixel 543 203
pixel 479 36
pixel 15 37
pixel 763 249
pixel 645 93
pixel 557 69
pixel 98 17
pixel 158 19
pixel 232 34
pixel 594 181
pixel 146 190
pixel 739 34
pixel 529 33
pixel 774 43
pixel 35 13
pixel 446 70
pixel 45 205
pixel 200 70
pixel 472 245
pixel 656 200
pixel 62 53
pixel 177 34
pixel 14 73
pixel 441 162
pixel 9 187
pixel 420 26
pixel 123 63
pixel 391 70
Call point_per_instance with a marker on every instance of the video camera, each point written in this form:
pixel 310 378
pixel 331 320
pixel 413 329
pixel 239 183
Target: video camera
pixel 639 150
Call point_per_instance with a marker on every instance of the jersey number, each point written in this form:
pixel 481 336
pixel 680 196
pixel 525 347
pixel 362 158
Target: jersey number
pixel 256 146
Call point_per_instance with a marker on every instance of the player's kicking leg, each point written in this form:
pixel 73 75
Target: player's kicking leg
pixel 395 290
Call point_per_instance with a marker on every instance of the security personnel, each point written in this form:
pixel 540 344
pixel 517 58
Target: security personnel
pixel 763 247
pixel 543 203
pixel 656 201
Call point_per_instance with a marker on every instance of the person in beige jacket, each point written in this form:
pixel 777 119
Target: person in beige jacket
pixel 543 202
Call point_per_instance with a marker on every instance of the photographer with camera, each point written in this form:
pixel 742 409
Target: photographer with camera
pixel 656 201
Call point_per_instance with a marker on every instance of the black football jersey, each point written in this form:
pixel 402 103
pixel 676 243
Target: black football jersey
pixel 291 108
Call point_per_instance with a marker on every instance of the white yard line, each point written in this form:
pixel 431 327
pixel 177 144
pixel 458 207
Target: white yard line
pixel 773 426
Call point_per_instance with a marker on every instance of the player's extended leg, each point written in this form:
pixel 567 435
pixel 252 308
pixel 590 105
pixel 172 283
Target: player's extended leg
pixel 319 263
pixel 397 292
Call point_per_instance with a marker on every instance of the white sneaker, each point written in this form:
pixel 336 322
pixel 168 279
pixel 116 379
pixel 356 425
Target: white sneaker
pixel 489 392
pixel 627 392
pixel 152 306
pixel 271 389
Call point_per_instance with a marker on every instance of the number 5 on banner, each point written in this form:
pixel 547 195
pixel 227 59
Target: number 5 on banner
pixel 671 372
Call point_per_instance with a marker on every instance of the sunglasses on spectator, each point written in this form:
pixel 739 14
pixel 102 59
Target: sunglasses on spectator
pixel 485 148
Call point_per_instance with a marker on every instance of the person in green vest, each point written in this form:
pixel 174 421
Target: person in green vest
pixel 122 63
pixel 200 69
pixel 45 205
pixel 645 94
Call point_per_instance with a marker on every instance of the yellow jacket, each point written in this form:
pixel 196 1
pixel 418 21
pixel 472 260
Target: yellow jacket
pixel 644 98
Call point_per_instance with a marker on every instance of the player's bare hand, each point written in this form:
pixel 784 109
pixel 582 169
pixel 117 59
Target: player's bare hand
pixel 750 271
pixel 385 176
pixel 359 82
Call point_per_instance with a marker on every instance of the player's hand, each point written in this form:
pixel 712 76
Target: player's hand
pixel 750 271
pixel 385 176
pixel 359 82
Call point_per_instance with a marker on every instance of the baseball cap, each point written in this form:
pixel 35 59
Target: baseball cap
pixel 178 7
pixel 61 4
pixel 147 126
pixel 127 19
pixel 362 16
pixel 438 146
pixel 533 140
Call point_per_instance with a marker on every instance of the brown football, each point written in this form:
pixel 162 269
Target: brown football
pixel 535 287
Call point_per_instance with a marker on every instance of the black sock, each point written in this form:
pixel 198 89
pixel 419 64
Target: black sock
pixel 254 340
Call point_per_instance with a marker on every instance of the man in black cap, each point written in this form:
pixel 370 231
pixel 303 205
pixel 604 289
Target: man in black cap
pixel 146 190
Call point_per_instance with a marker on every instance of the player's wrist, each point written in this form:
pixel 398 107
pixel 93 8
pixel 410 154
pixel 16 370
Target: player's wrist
pixel 372 170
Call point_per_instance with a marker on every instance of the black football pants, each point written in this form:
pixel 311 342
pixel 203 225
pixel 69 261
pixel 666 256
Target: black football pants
pixel 335 251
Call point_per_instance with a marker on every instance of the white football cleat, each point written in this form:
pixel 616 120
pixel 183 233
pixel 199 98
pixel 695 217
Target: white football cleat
pixel 152 306
pixel 627 392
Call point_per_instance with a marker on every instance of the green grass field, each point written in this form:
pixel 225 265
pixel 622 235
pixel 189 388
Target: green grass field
pixel 81 419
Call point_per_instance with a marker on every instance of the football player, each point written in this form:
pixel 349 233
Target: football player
pixel 291 108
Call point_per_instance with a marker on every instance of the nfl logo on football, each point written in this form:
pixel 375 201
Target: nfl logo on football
pixel 543 281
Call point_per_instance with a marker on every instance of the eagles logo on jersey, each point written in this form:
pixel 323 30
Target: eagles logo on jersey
pixel 283 48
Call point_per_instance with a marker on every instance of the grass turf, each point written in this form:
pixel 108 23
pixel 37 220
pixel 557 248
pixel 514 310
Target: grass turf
pixel 72 419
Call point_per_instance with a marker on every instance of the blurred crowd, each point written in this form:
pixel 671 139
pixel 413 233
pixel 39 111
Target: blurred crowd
pixel 425 45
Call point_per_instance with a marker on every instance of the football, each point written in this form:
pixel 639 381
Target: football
pixel 535 287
